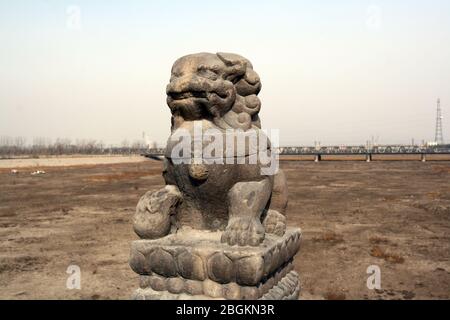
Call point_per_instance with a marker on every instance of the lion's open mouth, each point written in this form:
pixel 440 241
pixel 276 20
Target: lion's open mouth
pixel 187 94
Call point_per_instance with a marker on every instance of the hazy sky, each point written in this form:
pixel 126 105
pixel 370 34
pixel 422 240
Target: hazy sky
pixel 332 71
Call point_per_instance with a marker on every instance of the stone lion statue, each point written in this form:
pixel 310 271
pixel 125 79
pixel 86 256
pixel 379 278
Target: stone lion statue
pixel 221 92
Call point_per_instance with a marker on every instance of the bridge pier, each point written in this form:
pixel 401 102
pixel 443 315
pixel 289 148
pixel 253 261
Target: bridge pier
pixel 423 157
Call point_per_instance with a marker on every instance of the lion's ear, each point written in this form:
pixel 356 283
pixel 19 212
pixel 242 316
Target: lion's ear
pixel 236 66
pixel 231 58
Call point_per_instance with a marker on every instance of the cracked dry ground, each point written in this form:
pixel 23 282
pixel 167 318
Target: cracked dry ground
pixel 395 215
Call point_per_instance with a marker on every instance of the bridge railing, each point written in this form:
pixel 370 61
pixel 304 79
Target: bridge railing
pixel 345 150
pixel 335 150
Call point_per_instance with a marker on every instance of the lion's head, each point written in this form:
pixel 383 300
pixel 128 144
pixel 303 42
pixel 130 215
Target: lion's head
pixel 219 87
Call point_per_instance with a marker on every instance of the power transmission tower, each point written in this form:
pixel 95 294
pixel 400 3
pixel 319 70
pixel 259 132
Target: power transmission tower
pixel 439 137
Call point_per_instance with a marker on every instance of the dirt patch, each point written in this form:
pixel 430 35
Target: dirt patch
pixel 329 236
pixel 21 263
pixel 378 240
pixel 435 206
pixel 334 295
pixel 378 252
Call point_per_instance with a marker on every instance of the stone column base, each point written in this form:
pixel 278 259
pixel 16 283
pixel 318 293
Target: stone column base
pixel 288 288
pixel 193 264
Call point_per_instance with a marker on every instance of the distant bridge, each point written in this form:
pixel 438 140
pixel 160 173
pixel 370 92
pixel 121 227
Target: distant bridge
pixel 356 150
pixel 318 152
pixel 368 152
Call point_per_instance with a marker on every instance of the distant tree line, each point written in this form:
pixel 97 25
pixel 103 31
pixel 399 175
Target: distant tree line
pixel 18 146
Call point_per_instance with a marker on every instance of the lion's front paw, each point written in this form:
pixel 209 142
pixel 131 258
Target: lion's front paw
pixel 152 217
pixel 275 223
pixel 243 232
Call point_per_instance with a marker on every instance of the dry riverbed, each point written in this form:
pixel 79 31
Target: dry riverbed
pixel 395 215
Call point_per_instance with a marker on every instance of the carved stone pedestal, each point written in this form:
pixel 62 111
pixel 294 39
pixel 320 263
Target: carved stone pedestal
pixel 193 264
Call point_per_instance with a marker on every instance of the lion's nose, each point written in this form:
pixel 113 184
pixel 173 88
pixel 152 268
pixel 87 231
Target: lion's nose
pixel 189 83
pixel 183 84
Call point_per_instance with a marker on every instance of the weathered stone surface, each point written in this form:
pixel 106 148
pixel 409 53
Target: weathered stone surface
pixel 144 281
pixel 250 270
pixel 220 92
pixel 198 171
pixel 246 203
pixel 203 250
pixel 162 263
pixel 288 288
pixel 217 230
pixel 138 263
pixel 267 262
pixel 250 293
pixel 285 285
pixel 194 287
pixel 152 217
pixel 276 261
pixel 284 255
pixel 275 223
pixel 279 200
pixel 269 284
pixel 157 283
pixel 232 291
pixel 175 285
pixel 150 294
pixel 213 289
pixel 190 266
pixel 221 268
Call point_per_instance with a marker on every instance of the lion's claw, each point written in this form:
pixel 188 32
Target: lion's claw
pixel 275 223
pixel 243 232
